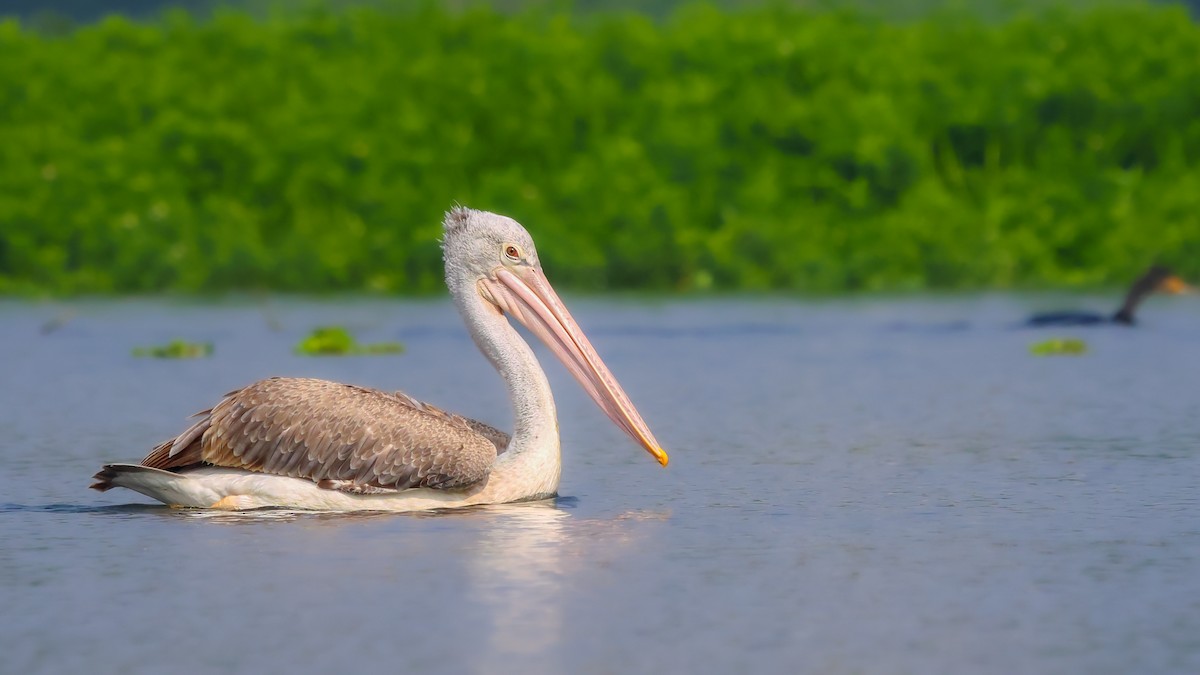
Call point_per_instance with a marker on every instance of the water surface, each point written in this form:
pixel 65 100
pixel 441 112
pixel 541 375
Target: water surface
pixel 881 485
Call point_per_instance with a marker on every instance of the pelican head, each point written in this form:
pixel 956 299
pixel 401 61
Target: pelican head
pixel 1164 280
pixel 491 258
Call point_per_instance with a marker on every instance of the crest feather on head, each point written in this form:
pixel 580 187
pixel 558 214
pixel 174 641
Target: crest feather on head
pixel 456 219
pixel 481 233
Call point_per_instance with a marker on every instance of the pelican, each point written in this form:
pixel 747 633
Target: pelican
pixel 311 444
pixel 1157 279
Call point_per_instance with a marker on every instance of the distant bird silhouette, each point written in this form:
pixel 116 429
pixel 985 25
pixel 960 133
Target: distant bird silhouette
pixel 1156 279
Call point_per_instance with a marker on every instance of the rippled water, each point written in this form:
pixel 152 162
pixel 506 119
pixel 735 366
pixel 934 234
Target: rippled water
pixel 883 486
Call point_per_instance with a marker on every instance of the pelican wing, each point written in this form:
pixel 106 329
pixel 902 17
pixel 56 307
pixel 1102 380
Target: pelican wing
pixel 340 436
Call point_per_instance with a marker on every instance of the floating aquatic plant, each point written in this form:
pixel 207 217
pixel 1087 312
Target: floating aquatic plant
pixel 176 349
pixel 337 341
pixel 1059 347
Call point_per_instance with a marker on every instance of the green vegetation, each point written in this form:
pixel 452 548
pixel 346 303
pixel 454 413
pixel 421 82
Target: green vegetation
pixel 337 341
pixel 177 349
pixel 1059 347
pixel 771 148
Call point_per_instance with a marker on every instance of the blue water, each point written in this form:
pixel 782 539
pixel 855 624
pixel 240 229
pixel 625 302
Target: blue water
pixel 856 486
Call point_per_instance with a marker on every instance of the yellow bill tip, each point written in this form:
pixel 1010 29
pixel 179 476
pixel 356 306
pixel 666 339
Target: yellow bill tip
pixel 660 455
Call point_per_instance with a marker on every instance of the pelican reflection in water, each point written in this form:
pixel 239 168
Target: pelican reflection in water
pixel 312 444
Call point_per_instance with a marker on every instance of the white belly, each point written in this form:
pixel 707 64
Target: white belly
pixel 235 489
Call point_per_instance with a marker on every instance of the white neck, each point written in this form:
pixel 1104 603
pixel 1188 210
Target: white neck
pixel 534 443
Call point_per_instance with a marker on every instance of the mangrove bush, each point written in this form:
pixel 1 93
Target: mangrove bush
pixel 774 148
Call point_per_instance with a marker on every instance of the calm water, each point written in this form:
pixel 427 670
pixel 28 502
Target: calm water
pixel 870 486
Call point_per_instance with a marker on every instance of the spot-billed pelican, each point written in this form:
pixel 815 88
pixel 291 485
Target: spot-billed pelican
pixel 1157 279
pixel 311 444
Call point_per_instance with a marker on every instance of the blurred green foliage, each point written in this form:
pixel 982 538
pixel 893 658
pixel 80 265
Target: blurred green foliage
pixel 337 341
pixel 176 349
pixel 772 148
pixel 1059 347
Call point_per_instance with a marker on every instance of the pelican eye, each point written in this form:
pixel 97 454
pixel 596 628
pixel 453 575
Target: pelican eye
pixel 512 252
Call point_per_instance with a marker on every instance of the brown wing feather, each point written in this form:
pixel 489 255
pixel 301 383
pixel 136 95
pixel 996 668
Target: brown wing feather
pixel 498 438
pixel 341 436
